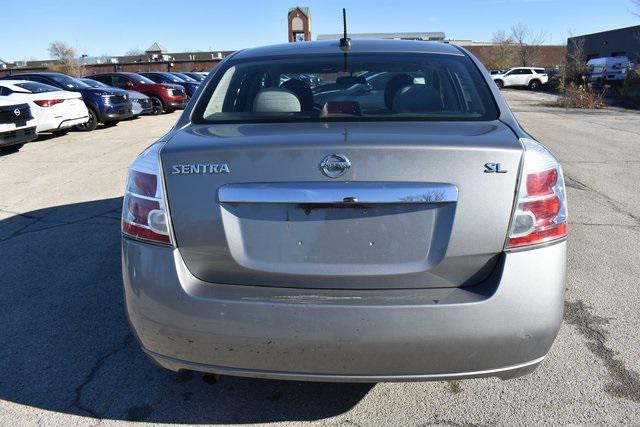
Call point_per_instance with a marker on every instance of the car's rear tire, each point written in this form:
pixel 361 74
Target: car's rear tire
pixel 499 83
pixel 92 124
pixel 534 84
pixel 158 106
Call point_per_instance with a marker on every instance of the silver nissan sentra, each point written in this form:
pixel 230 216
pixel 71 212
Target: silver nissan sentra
pixel 371 212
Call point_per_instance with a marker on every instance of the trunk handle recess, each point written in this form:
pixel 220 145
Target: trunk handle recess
pixel 351 193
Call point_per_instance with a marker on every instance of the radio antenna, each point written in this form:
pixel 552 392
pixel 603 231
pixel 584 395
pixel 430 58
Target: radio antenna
pixel 345 42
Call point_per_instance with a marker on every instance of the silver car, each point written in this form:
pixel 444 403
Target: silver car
pixel 422 237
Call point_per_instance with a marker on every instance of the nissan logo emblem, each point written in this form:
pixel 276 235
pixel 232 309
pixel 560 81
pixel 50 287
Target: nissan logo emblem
pixel 16 112
pixel 335 165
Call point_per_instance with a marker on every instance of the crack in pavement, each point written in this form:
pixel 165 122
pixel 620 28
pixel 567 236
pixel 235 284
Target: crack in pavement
pixel 579 185
pixel 99 363
pixel 624 382
pixel 23 215
pixel 55 224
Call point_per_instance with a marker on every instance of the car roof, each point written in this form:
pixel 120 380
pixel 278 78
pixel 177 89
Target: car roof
pixel 111 73
pixel 42 73
pixel 357 46
pixel 11 82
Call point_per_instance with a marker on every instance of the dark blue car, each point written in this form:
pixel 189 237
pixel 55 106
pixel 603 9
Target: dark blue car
pixel 163 77
pixel 105 105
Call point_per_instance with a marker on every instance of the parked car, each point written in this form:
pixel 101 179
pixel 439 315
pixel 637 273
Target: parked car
pixel 169 78
pixel 54 110
pixel 17 125
pixel 423 238
pixel 531 77
pixel 368 89
pixel 196 76
pixel 140 103
pixel 186 77
pixel 107 106
pixel 610 69
pixel 166 97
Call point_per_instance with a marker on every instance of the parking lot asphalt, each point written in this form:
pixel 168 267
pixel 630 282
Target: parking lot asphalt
pixel 67 356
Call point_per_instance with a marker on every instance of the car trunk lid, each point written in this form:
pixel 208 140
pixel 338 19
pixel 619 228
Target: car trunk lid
pixel 258 204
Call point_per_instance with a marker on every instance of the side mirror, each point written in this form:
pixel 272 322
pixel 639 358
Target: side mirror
pixel 129 85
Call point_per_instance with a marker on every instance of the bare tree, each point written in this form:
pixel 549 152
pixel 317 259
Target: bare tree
pixel 502 50
pixel 576 58
pixel 135 51
pixel 526 44
pixel 636 5
pixel 67 59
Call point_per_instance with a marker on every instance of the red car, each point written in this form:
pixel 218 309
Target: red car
pixel 165 97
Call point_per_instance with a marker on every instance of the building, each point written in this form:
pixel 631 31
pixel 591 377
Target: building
pixel 436 36
pixel 619 42
pixel 549 56
pixel 299 23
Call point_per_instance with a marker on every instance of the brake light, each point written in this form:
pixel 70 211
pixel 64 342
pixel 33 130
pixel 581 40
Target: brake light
pixel 541 211
pixel 48 102
pixel 144 213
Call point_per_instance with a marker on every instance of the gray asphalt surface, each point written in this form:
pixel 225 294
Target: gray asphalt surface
pixel 67 356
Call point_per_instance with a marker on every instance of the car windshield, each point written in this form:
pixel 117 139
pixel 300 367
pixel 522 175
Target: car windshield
pixel 95 83
pixel 358 87
pixel 35 87
pixel 68 82
pixel 186 78
pixel 173 78
pixel 196 76
pixel 142 79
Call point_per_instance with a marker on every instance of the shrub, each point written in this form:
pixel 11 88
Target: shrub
pixel 631 85
pixel 580 96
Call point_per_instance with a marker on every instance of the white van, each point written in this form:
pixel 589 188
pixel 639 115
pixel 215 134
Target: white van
pixel 608 69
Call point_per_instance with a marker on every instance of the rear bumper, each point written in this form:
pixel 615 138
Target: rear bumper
pixel 19 136
pixel 501 328
pixel 69 123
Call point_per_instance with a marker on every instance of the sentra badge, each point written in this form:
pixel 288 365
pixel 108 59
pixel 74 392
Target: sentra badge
pixel 200 169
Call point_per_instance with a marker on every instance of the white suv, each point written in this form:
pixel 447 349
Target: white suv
pixel 17 125
pixel 531 77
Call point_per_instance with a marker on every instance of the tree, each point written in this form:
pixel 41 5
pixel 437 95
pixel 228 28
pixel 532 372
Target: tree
pixel 135 51
pixel 526 45
pixel 576 59
pixel 67 59
pixel 501 54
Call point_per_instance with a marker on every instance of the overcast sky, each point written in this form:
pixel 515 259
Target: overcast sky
pixel 116 26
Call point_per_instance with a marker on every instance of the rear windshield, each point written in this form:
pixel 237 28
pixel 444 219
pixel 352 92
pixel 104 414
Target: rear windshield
pixel 350 87
pixel 68 82
pixel 35 87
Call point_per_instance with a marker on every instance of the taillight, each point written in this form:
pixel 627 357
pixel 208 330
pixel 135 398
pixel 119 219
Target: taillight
pixel 48 102
pixel 541 210
pixel 144 213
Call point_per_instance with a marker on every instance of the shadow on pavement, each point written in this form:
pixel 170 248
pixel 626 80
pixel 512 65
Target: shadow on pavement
pixel 67 347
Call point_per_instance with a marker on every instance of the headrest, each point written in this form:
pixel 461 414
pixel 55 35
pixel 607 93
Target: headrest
pixel 302 91
pixel 394 84
pixel 416 99
pixel 276 100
